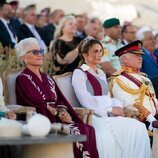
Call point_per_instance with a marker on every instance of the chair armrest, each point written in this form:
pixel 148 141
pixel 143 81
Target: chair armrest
pixel 85 114
pixel 25 109
pixel 23 112
pixel 21 109
pixel 83 111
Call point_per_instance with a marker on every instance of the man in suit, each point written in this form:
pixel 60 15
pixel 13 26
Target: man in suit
pixel 28 28
pixel 92 29
pixel 49 29
pixel 128 34
pixel 17 12
pixel 81 23
pixel 150 57
pixel 7 33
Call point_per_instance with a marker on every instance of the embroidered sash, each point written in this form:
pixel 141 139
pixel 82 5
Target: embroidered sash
pixel 94 83
pixel 143 112
pixel 138 83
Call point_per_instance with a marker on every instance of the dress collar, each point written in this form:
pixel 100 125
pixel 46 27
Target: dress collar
pixel 85 67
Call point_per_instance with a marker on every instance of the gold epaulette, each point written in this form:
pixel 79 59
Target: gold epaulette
pixel 117 73
pixel 143 74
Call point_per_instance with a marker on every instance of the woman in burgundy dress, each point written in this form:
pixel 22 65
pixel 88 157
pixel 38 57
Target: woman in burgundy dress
pixel 39 90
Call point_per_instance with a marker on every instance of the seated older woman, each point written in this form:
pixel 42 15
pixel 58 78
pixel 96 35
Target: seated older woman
pixel 39 90
pixel 4 111
pixel 122 137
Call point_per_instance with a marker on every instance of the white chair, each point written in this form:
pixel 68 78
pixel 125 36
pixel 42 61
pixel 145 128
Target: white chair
pixel 64 83
pixel 9 81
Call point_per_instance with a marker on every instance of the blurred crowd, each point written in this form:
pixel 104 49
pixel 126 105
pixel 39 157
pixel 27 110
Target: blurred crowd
pixel 61 34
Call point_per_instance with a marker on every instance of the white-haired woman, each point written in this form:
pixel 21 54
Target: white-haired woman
pixel 65 46
pixel 39 90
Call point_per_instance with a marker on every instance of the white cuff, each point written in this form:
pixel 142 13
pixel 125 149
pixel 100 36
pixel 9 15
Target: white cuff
pixel 109 110
pixel 150 118
pixel 116 103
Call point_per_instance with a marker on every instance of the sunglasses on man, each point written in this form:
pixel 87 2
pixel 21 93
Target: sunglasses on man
pixel 36 52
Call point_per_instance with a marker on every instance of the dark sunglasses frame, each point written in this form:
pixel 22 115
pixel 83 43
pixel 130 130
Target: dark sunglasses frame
pixel 36 52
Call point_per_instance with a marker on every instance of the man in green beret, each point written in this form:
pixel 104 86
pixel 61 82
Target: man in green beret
pixel 111 42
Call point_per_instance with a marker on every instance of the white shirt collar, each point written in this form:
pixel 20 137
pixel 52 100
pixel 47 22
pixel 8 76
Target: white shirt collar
pixel 85 67
pixel 5 21
pixel 125 41
pixel 30 26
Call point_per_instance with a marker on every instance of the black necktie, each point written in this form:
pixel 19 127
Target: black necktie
pixel 11 29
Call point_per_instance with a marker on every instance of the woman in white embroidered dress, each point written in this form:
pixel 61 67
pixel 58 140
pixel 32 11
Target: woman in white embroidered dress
pixel 117 137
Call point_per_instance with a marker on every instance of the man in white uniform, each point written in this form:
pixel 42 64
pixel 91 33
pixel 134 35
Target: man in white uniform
pixel 132 87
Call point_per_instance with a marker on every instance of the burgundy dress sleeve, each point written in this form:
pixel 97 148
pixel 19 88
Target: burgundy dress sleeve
pixel 61 100
pixel 27 95
pixel 31 91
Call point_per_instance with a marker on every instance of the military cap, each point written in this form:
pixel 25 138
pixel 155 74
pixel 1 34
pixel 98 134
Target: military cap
pixel 134 47
pixel 111 22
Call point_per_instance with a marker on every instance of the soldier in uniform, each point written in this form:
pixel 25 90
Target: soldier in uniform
pixel 132 87
pixel 111 42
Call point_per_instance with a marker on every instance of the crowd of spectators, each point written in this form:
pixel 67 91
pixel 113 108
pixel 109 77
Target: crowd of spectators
pixel 50 29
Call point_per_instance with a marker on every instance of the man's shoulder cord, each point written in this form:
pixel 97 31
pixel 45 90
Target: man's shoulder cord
pixel 141 90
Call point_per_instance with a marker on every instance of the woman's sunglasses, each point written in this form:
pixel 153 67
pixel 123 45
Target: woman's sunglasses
pixel 36 52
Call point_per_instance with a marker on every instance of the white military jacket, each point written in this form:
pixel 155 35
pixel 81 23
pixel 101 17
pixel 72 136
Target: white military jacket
pixel 130 99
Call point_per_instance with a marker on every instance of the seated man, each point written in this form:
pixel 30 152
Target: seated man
pixel 132 87
pixel 4 111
